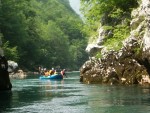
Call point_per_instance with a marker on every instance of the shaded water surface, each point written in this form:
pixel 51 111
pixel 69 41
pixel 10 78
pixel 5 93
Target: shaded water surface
pixel 32 95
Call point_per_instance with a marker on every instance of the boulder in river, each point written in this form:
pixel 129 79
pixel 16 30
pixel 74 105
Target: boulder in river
pixel 5 83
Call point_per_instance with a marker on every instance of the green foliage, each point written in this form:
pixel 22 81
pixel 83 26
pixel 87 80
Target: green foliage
pixel 77 50
pixel 137 51
pixel 90 7
pixel 116 13
pixel 120 33
pixel 109 12
pixel 42 32
pixel 108 28
pixel 11 53
pixel 113 15
pixel 98 55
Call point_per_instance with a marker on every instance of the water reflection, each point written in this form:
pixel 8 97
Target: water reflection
pixel 69 95
pixel 118 98
pixel 51 87
pixel 5 100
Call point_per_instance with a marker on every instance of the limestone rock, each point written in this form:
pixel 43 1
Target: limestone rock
pixel 12 66
pixel 19 74
pixel 129 65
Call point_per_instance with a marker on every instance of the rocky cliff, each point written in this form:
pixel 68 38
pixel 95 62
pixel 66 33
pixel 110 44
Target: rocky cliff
pixel 129 65
pixel 5 83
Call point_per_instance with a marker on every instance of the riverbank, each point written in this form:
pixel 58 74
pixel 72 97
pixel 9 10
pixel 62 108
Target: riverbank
pixel 20 74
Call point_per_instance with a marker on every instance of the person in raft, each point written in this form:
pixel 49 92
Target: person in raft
pixel 63 73
pixel 52 71
pixel 46 72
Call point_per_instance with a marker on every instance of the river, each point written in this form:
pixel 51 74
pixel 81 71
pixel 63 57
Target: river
pixel 32 95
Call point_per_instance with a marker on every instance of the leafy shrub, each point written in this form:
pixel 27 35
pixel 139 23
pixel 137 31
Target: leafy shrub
pixel 120 32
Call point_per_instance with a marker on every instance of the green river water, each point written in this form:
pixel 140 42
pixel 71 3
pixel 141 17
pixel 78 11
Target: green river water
pixel 32 95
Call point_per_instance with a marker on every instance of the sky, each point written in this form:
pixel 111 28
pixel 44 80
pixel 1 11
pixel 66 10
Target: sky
pixel 75 4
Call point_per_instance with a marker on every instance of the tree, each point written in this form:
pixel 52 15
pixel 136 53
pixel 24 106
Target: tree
pixel 41 32
pixel 113 15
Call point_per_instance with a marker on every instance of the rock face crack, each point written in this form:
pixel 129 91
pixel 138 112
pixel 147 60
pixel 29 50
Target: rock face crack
pixel 146 64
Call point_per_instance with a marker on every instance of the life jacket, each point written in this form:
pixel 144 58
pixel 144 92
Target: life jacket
pixel 52 72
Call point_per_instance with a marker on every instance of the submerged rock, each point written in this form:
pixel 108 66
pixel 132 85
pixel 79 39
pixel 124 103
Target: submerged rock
pixel 19 74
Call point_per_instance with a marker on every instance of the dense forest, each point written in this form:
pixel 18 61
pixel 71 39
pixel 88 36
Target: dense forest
pixel 42 32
